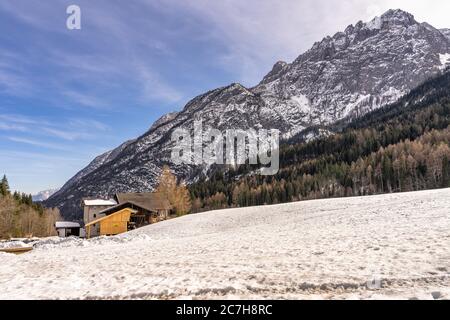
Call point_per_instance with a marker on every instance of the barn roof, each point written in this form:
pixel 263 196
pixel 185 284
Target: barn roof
pixel 66 224
pixel 114 209
pixel 109 216
pixel 151 201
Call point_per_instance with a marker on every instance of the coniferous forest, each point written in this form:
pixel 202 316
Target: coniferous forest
pixel 399 148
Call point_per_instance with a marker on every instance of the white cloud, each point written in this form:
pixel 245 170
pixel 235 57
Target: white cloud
pixel 37 143
pixel 12 127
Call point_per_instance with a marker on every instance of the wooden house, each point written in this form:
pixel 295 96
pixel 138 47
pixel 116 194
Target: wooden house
pixel 134 210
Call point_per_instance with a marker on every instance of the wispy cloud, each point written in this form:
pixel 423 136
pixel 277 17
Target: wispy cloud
pixel 97 60
pixel 155 88
pixel 85 99
pixel 12 127
pixel 66 135
pixel 72 129
pixel 13 83
pixel 37 143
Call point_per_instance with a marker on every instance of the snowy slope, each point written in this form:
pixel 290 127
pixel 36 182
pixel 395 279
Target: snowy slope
pixel 316 249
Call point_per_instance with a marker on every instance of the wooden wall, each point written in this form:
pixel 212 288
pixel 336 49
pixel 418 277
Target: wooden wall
pixel 115 223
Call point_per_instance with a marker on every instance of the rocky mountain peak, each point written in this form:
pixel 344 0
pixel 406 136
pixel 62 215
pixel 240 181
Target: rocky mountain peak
pixel 399 17
pixel 392 21
pixel 164 119
pixel 276 71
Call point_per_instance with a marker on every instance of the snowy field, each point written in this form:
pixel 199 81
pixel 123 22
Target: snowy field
pixel 380 247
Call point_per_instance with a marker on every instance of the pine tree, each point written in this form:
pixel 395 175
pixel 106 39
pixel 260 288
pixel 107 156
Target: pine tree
pixel 4 187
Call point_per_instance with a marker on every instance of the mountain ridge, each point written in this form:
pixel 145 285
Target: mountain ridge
pixel 367 66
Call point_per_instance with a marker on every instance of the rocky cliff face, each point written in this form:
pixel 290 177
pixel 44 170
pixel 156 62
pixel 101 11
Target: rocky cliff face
pixel 355 71
pixel 360 69
pixel 446 32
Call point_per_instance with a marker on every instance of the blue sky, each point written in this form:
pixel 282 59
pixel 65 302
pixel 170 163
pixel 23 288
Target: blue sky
pixel 68 95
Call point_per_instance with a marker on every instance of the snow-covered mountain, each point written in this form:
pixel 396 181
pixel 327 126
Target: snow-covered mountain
pixel 44 195
pixel 366 66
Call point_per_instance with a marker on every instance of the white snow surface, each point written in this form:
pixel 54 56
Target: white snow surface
pixel 323 249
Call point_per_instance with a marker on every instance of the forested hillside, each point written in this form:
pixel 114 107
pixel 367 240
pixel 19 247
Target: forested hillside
pixel 401 147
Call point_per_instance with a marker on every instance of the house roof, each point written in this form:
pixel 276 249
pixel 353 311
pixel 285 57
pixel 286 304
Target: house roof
pixel 99 202
pixel 108 217
pixel 66 224
pixel 151 201
pixel 114 209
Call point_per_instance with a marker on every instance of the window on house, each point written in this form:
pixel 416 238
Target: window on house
pixel 95 216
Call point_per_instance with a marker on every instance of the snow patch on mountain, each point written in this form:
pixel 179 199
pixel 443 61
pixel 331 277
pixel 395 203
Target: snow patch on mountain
pixel 44 195
pixel 164 119
pixel 303 103
pixel 445 60
pixel 376 23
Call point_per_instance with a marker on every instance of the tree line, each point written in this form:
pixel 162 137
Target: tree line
pixel 20 217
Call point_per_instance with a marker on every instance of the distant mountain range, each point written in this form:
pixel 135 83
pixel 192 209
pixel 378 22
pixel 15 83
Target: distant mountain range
pixel 44 195
pixel 342 77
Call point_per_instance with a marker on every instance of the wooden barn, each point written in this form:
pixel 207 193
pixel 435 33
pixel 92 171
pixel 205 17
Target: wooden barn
pixel 134 210
pixel 115 223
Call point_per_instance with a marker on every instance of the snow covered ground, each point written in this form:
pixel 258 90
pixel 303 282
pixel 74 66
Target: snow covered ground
pixel 380 247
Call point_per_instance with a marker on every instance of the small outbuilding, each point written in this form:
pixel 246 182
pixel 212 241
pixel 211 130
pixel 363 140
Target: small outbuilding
pixel 67 228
